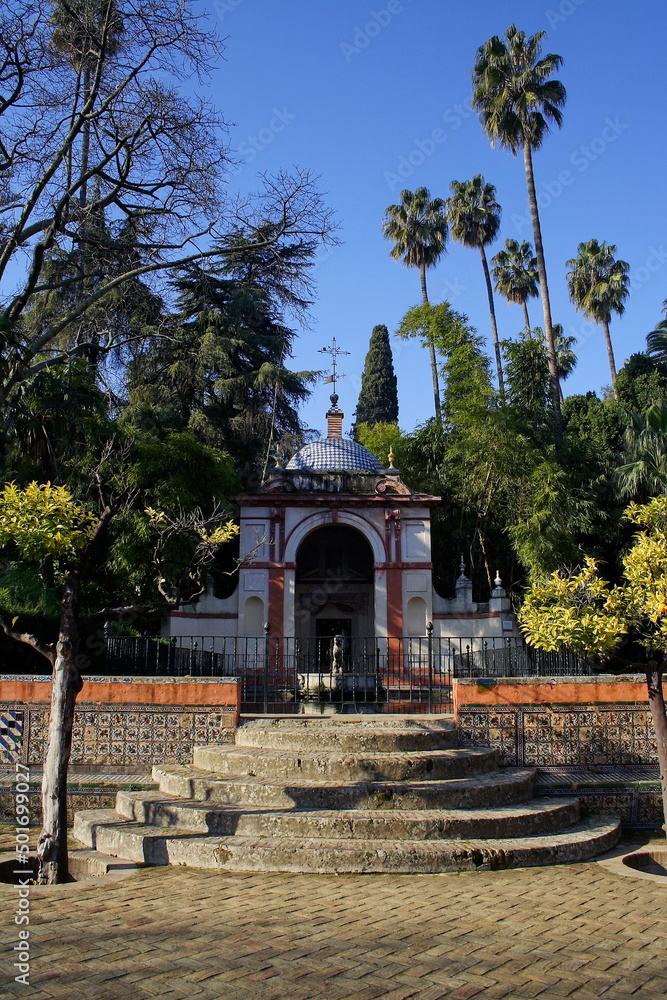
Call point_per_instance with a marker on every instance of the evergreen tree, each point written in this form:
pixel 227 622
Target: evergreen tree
pixel 378 396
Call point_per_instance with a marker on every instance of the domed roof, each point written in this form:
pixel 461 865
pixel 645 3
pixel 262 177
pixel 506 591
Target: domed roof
pixel 335 454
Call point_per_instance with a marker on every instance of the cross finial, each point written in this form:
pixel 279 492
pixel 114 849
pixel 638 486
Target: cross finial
pixel 335 353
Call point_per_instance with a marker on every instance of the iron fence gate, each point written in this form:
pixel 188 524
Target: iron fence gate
pixel 285 674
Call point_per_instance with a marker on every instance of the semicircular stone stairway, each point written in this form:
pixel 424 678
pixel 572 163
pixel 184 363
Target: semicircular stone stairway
pixel 354 794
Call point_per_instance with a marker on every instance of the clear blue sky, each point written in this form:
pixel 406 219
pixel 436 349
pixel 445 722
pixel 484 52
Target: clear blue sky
pixel 354 90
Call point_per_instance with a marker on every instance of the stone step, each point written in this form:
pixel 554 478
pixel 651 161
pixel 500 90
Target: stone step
pixel 326 765
pixel 86 863
pixel 494 788
pixel 537 816
pixel 365 720
pixel 350 738
pixel 105 831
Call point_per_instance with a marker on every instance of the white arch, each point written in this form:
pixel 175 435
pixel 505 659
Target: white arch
pixel 253 616
pixel 321 520
pixel 416 616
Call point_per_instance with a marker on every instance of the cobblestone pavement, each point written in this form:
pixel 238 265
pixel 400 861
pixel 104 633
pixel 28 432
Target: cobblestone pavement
pixel 575 931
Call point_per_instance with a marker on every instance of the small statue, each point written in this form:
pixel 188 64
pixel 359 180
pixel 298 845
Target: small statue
pixel 337 655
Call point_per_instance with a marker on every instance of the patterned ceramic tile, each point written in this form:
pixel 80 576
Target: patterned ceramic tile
pixel 105 735
pixel 11 735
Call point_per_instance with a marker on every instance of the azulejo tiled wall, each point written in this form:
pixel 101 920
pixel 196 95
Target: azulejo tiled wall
pixel 120 721
pixel 120 735
pixel 591 737
pixel 562 735
pixel 134 734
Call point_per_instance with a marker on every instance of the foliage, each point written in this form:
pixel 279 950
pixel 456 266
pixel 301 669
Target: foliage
pixel 517 100
pixel 418 228
pixel 581 611
pixel 656 340
pixel 641 382
pixel 513 93
pixel 378 395
pixel 26 594
pixel 43 520
pixel 57 427
pixel 112 175
pixel 381 439
pixel 473 212
pixel 644 455
pixel 223 371
pixel 515 274
pixel 464 365
pixel 474 219
pixel 598 283
pixel 566 359
pixel 528 383
pixel 577 610
pixel 555 512
pixel 483 476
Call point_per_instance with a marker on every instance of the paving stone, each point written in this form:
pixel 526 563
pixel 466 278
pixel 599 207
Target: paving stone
pixel 575 931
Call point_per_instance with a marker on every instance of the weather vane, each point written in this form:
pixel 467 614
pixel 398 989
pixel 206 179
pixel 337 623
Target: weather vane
pixel 335 353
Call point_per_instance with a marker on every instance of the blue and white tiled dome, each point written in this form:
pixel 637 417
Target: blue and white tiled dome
pixel 335 454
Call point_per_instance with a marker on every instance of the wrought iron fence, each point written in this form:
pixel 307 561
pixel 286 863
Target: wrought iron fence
pixel 283 674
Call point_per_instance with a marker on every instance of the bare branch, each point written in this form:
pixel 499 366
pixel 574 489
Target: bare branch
pixel 29 640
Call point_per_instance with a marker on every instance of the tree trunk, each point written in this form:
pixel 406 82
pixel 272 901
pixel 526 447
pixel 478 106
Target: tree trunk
pixel 85 144
pixel 544 291
pixel 66 684
pixel 610 354
pixel 656 701
pixel 527 319
pixel 431 349
pixel 494 325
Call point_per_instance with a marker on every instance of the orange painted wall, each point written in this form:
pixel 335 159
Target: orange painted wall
pixel 604 690
pixel 139 691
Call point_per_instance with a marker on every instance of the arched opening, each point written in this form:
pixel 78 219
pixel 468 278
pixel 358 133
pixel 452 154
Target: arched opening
pixel 334 584
pixel 416 616
pixel 253 616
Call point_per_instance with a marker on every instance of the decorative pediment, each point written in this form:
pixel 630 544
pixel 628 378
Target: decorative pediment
pixel 392 488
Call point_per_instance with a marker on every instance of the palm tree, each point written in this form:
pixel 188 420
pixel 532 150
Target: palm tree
pixel 644 470
pixel 515 274
pixel 598 285
pixel 656 341
pixel 566 359
pixel 516 102
pixel 474 220
pixel 86 31
pixel 418 227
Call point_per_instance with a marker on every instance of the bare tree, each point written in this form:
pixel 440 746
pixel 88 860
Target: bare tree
pixel 102 128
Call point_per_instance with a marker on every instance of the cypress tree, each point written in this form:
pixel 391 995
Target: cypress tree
pixel 378 397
